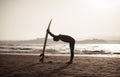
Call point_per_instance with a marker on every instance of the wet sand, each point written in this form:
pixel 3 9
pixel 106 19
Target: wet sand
pixel 54 66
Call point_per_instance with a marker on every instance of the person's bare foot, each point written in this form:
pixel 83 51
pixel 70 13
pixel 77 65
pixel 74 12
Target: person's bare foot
pixel 70 62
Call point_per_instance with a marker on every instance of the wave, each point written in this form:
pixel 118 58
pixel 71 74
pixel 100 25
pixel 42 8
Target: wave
pixel 80 49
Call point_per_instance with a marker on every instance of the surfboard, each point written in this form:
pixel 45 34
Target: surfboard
pixel 42 55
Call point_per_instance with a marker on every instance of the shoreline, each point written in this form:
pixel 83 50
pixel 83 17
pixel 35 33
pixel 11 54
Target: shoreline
pixel 78 55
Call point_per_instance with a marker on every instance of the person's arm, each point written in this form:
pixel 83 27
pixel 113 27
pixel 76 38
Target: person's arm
pixel 51 33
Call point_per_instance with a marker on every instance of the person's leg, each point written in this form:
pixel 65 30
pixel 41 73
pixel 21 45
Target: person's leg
pixel 72 53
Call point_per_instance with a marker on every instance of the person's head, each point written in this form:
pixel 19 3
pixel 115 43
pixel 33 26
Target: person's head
pixel 56 38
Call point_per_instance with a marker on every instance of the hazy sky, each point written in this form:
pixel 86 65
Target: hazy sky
pixel 81 19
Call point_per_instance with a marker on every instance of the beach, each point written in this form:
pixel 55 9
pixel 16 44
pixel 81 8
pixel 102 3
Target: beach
pixel 54 66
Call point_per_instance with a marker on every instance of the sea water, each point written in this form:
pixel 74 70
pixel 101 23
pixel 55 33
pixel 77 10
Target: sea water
pixel 63 49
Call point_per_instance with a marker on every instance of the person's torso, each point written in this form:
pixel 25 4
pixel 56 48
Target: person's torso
pixel 66 38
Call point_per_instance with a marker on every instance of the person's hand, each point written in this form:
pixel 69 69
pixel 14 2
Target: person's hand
pixel 48 30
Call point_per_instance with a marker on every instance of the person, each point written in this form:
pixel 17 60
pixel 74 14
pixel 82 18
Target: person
pixel 65 38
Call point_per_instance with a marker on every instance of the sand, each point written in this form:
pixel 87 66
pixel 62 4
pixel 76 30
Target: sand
pixel 54 66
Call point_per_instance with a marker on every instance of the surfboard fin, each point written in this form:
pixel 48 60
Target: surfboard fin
pixel 41 60
pixel 41 54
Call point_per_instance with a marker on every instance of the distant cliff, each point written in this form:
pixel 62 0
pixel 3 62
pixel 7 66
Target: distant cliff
pixel 92 41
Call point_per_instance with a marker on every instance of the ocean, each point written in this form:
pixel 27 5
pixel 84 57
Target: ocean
pixel 107 50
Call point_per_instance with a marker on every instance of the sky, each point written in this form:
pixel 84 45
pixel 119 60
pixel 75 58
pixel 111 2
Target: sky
pixel 81 19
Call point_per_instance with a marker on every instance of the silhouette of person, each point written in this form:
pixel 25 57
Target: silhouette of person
pixel 65 38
